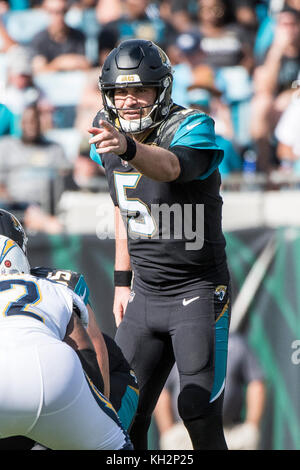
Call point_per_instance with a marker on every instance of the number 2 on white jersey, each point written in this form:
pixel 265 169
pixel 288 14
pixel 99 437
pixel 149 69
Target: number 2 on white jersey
pixel 144 224
pixel 19 297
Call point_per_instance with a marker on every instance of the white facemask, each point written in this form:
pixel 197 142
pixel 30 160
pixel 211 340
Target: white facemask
pixel 137 125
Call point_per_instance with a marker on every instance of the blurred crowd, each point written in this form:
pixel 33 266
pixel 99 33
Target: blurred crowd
pixel 239 61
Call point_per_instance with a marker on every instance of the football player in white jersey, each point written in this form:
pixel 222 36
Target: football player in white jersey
pixel 105 364
pixel 45 394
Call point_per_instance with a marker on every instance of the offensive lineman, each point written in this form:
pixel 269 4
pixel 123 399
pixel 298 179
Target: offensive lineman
pixel 121 386
pixel 157 154
pixel 44 393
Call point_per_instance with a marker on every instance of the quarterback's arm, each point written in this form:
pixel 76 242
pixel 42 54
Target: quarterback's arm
pixel 122 263
pixel 155 162
pixel 193 152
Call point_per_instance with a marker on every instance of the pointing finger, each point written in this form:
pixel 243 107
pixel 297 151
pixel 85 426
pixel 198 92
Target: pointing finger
pixel 94 130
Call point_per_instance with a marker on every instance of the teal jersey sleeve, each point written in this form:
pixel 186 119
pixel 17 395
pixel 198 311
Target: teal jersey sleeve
pixel 197 131
pixel 94 155
pixel 82 289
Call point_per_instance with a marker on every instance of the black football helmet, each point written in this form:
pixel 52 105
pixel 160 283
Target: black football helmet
pixel 10 227
pixel 137 62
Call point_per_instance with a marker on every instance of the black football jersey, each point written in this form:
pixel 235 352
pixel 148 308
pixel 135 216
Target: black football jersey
pixel 174 229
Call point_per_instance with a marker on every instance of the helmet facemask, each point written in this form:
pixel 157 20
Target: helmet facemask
pixel 157 113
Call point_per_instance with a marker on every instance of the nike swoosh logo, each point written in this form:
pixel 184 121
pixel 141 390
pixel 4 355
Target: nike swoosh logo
pixel 191 126
pixel 186 302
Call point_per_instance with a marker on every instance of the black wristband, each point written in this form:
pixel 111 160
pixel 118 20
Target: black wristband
pixel 122 278
pixel 130 150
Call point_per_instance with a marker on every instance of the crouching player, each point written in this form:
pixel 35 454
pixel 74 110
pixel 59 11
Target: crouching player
pixel 59 406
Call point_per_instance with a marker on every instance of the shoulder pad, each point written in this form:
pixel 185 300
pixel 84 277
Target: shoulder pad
pixel 168 128
pixel 71 279
pixel 40 271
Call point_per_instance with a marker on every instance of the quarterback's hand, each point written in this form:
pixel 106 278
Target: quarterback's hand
pixel 121 298
pixel 108 139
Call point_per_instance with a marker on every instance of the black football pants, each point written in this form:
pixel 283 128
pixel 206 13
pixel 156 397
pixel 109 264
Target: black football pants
pixel 193 330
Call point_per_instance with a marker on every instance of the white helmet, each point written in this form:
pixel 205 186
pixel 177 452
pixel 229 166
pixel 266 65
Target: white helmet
pixel 12 258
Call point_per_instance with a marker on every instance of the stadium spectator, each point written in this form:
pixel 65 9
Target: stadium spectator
pixel 187 59
pixel 194 82
pixel 59 47
pixel 180 13
pixel 204 94
pixel 74 414
pixel 31 166
pixel 4 7
pixel 273 85
pixel 228 48
pixel 86 175
pixel 77 14
pixel 206 98
pixel 135 22
pixel 287 134
pixel 88 102
pixel 246 14
pixel 20 90
pixel 244 399
pixel 5 40
pixel 224 42
pixel 81 5
pixel 266 30
pixel 82 16
pixel 36 220
pixel 108 10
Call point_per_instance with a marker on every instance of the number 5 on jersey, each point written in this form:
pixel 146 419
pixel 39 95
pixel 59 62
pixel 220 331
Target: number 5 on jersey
pixel 140 221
